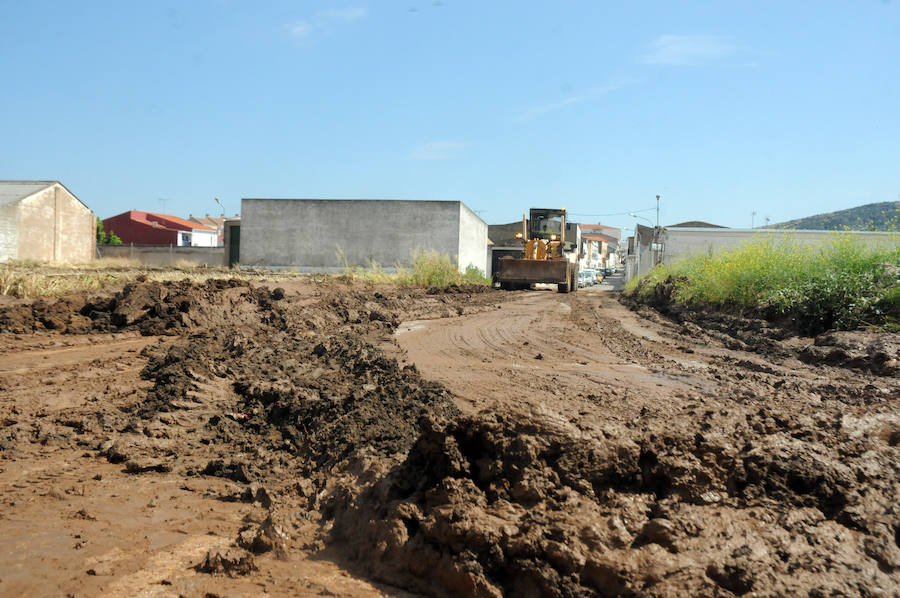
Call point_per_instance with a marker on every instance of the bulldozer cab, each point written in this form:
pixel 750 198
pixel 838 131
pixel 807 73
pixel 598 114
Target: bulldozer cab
pixel 546 258
pixel 545 224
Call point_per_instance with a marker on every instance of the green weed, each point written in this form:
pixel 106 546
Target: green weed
pixel 842 283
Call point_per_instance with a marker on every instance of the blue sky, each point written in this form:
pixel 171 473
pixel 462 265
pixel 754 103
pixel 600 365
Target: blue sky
pixel 723 108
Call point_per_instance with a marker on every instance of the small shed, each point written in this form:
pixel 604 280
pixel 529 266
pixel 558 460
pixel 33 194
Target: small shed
pixel 42 220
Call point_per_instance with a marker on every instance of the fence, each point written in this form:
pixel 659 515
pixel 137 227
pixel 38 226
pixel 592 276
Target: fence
pixel 155 255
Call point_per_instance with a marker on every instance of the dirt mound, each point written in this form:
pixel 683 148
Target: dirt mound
pixel 151 307
pixel 875 352
pixel 527 505
pixel 341 399
pixel 630 460
pixel 307 383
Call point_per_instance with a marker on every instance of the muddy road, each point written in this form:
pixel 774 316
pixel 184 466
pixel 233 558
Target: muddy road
pixel 342 439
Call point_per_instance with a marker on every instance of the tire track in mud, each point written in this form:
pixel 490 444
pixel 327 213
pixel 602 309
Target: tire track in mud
pixel 733 484
pixel 627 460
pixel 44 358
pixel 535 345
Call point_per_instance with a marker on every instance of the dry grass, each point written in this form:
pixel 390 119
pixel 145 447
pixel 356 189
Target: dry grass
pixel 31 280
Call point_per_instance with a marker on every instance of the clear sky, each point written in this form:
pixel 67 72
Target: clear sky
pixel 786 108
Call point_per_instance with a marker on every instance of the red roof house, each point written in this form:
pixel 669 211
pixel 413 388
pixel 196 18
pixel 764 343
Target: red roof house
pixel 147 228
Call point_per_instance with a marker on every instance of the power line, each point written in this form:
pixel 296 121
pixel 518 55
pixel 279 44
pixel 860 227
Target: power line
pixel 605 215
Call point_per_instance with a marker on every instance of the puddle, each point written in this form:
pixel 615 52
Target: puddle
pixel 410 326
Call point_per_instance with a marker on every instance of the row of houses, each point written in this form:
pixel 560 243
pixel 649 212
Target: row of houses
pixel 43 220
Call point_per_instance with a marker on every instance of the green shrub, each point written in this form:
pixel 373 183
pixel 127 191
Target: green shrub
pixel 433 269
pixel 843 283
pixel 429 269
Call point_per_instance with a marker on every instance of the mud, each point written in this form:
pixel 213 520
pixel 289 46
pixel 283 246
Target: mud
pixel 527 505
pixel 872 351
pixel 260 432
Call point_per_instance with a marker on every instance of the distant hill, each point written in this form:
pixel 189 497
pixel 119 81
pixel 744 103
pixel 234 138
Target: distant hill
pixel 873 216
pixel 695 224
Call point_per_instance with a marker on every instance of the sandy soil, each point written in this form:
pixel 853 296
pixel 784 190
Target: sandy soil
pixel 342 439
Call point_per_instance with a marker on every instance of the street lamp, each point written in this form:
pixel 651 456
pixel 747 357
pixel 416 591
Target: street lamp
pixel 654 243
pixel 633 215
pixel 657 210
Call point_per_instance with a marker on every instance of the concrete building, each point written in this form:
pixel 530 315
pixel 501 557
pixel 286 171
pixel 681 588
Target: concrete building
pixel 148 228
pixel 600 246
pixel 599 251
pixel 42 220
pixel 327 234
pixel 672 243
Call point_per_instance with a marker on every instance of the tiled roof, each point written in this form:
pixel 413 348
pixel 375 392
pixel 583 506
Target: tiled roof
pixel 150 217
pixel 210 221
pixel 14 191
pixel 600 237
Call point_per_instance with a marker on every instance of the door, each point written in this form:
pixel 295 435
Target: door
pixel 234 245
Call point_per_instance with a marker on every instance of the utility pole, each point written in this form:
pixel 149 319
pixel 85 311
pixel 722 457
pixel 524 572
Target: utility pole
pixel 753 219
pixel 656 257
pixel 657 211
pixel 220 229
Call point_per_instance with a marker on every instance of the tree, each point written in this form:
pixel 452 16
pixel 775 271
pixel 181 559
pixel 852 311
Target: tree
pixel 101 236
pixel 104 238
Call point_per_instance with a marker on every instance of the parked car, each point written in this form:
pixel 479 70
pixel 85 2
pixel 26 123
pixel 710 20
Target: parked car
pixel 592 277
pixel 583 279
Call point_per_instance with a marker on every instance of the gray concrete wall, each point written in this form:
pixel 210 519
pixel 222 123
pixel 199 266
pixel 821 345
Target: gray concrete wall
pixel 682 242
pixel 155 255
pixel 504 235
pixel 473 238
pixel 308 234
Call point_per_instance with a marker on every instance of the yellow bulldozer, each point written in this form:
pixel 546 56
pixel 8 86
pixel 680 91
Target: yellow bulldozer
pixel 548 256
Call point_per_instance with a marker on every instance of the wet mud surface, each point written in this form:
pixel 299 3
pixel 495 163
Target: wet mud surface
pixel 344 439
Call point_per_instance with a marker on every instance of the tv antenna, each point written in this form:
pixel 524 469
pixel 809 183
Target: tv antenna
pixel 163 200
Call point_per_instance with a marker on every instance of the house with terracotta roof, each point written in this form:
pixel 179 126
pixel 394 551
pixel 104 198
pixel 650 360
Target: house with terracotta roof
pixel 148 228
pixel 214 222
pixel 602 229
